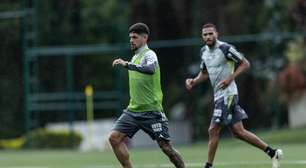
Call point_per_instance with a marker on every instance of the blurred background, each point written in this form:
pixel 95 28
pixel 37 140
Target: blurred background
pixel 51 50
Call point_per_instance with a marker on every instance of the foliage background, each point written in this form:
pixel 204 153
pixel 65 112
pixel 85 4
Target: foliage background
pixel 76 22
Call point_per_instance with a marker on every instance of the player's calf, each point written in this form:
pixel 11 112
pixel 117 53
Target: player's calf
pixel 172 154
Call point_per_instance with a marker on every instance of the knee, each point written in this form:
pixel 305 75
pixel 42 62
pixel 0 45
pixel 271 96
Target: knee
pixel 213 133
pixel 166 148
pixel 238 134
pixel 113 139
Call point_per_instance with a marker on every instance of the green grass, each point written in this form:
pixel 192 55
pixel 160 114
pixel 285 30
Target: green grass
pixel 231 154
pixel 239 155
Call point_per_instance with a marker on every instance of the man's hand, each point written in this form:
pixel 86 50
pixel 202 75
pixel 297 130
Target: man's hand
pixel 224 83
pixel 119 62
pixel 189 83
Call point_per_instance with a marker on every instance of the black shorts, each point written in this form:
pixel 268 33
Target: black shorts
pixel 153 123
pixel 227 111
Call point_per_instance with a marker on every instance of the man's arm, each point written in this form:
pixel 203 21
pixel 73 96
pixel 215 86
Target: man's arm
pixel 202 76
pixel 243 66
pixel 147 68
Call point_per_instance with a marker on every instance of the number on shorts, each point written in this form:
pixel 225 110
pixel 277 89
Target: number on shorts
pixel 217 113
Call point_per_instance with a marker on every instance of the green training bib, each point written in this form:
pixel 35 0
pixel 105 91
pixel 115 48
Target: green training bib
pixel 145 89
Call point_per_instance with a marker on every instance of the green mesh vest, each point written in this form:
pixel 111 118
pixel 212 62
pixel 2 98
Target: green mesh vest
pixel 145 90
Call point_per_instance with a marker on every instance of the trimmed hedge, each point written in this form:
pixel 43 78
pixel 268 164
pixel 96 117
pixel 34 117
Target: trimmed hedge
pixel 11 143
pixel 45 139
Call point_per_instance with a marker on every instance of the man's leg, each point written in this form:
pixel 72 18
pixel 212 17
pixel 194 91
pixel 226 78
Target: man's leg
pixel 243 134
pixel 173 155
pixel 213 141
pixel 239 132
pixel 120 149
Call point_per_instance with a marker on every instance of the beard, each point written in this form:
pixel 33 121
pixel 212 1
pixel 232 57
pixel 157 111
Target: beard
pixel 211 43
pixel 133 47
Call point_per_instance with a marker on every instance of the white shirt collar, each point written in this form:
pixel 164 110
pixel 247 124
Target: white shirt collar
pixel 215 46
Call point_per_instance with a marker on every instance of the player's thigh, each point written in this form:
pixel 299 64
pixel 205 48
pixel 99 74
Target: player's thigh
pixel 237 128
pixel 155 124
pixel 127 125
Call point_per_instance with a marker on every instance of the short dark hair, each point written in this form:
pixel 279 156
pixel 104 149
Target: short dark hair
pixel 139 28
pixel 207 25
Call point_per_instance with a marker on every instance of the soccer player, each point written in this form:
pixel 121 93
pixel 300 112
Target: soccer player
pixel 218 64
pixel 145 109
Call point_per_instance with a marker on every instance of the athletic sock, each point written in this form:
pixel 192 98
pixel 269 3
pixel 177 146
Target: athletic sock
pixel 270 151
pixel 208 165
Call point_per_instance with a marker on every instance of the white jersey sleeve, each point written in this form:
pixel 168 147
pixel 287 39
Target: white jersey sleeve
pixel 234 55
pixel 147 65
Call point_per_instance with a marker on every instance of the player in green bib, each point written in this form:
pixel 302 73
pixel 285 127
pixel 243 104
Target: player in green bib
pixel 145 89
pixel 145 109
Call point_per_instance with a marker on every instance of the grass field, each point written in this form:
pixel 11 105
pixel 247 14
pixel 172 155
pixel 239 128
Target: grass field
pixel 229 155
